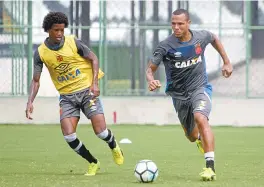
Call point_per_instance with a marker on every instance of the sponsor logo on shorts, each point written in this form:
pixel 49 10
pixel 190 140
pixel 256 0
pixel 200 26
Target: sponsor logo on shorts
pixel 201 105
pixel 92 105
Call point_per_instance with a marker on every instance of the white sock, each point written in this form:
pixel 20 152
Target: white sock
pixel 199 136
pixel 102 135
pixel 209 156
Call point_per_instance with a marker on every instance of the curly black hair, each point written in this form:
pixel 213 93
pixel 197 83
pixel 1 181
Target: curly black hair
pixel 54 18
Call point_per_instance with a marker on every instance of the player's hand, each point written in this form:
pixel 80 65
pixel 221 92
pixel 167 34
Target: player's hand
pixel 227 70
pixel 94 90
pixel 154 84
pixel 29 110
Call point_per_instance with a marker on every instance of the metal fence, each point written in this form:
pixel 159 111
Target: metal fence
pixel 124 33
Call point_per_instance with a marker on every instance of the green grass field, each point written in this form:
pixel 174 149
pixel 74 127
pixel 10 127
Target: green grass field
pixel 39 156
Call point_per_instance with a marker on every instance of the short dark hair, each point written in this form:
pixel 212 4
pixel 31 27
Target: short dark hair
pixel 181 11
pixel 54 18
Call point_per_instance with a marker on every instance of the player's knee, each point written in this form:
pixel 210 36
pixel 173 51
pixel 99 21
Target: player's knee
pixel 67 132
pixel 192 135
pixel 67 127
pixel 105 135
pixel 191 138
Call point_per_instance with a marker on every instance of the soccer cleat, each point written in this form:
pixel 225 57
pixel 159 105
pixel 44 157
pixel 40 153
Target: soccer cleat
pixel 93 168
pixel 208 174
pixel 199 145
pixel 118 155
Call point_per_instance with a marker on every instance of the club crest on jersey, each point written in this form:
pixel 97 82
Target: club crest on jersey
pixel 59 58
pixel 184 64
pixel 198 49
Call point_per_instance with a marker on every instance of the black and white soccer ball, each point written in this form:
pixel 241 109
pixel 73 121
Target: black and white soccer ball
pixel 146 171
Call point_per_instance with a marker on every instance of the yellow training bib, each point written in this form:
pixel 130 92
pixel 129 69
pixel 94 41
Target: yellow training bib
pixel 68 70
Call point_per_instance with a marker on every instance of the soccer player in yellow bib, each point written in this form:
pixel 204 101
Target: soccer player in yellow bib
pixel 74 70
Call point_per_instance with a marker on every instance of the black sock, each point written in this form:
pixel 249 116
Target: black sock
pixel 210 164
pixel 79 148
pixel 110 139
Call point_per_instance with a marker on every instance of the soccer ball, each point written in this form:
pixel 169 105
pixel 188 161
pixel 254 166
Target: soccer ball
pixel 146 171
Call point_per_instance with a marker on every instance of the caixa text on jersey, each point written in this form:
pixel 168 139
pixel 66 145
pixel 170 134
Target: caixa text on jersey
pixel 184 64
pixel 69 75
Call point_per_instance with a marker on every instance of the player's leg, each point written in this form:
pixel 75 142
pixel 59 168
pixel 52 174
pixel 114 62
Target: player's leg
pixel 92 108
pixel 208 172
pixel 69 118
pixel 195 136
pixel 185 115
pixel 201 109
pixel 99 126
pixel 184 110
pixel 68 129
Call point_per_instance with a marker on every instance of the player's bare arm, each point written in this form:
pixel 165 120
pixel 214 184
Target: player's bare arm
pixel 152 83
pixel 34 87
pixel 95 64
pixel 227 68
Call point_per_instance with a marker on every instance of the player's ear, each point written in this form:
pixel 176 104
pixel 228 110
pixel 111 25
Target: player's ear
pixel 49 30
